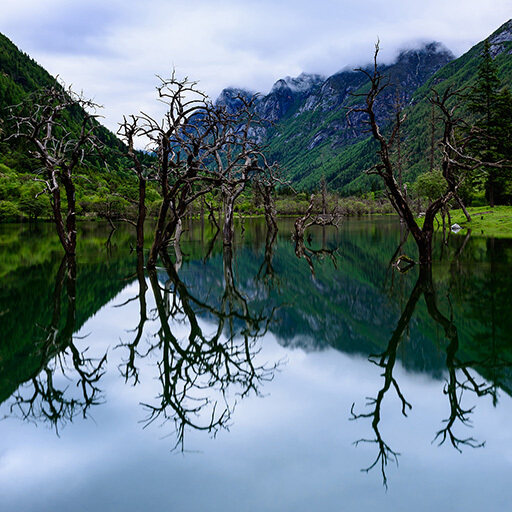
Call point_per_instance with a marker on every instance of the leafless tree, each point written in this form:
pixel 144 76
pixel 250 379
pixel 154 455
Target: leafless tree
pixel 455 161
pixel 314 219
pixel 265 184
pixel 201 148
pixel 239 158
pixel 43 119
pixel 144 170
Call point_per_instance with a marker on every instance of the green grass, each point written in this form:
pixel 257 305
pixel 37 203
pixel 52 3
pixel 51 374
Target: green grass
pixel 495 222
pixel 485 221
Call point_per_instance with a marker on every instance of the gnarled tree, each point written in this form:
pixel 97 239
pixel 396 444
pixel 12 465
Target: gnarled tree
pixel 456 163
pixel 60 146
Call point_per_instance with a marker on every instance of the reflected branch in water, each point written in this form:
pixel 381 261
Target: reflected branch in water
pixel 203 365
pixel 266 272
pixel 387 361
pixel 460 377
pixel 453 389
pixel 127 368
pixel 40 399
pixel 309 254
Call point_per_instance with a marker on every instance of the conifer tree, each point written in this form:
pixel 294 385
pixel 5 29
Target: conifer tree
pixel 492 107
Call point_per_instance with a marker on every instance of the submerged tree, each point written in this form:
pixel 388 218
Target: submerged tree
pixel 200 148
pixel 43 119
pixel 456 162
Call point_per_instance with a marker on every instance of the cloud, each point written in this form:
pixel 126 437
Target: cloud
pixel 113 50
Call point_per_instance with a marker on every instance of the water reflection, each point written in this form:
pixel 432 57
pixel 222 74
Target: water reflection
pixel 41 398
pixel 462 376
pixel 203 317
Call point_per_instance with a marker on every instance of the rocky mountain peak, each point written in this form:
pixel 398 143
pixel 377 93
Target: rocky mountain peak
pixel 500 38
pixel 433 49
pixel 230 97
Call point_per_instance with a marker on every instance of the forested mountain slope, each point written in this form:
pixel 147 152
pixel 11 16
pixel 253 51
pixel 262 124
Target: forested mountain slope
pixel 311 137
pixel 20 76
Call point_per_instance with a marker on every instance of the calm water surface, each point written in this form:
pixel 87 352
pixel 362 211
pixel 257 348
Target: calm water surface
pixel 267 378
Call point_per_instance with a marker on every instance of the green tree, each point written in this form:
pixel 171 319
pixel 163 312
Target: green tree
pixel 492 106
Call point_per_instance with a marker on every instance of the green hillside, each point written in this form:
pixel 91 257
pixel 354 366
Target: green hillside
pixel 20 76
pixel 343 152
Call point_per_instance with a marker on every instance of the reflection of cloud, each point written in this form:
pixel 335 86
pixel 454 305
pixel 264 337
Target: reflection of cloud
pixel 290 450
pixel 113 49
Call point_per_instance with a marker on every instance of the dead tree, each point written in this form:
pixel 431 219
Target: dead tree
pixel 129 130
pixel 238 159
pixel 181 140
pixel 43 119
pixel 311 219
pixel 454 157
pixel 265 184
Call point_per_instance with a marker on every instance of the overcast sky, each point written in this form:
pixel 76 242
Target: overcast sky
pixel 112 49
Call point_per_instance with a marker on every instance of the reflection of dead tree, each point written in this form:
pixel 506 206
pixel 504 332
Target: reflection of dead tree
pixel 387 361
pixel 43 120
pixel 308 253
pixel 128 368
pixel 44 401
pixel 454 388
pixel 266 272
pixel 198 370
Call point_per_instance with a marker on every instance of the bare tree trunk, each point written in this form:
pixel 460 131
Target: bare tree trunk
pixel 141 216
pixel 269 206
pixel 70 228
pixel 177 246
pixel 230 195
pixel 229 207
pixel 159 233
pixel 463 208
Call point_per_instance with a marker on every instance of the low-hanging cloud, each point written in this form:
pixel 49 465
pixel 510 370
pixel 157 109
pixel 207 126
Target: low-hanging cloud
pixel 113 50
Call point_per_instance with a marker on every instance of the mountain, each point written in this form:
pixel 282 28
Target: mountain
pixel 20 75
pixel 311 137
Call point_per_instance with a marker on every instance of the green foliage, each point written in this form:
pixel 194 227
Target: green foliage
pixel 430 185
pixel 21 76
pixel 9 211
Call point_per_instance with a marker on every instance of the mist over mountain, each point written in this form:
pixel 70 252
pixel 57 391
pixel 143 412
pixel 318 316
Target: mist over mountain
pixel 309 133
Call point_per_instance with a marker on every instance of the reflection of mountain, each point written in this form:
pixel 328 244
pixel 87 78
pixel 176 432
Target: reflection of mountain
pixel 351 308
pixel 27 301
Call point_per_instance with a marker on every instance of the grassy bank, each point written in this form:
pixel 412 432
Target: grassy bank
pixel 485 221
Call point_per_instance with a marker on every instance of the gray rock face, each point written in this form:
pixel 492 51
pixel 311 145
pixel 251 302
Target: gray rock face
pixel 497 40
pixel 230 98
pixel 311 109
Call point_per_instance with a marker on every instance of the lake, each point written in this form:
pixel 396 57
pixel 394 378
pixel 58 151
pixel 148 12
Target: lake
pixel 267 377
